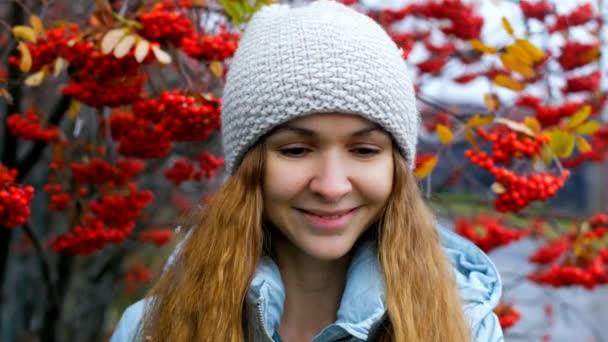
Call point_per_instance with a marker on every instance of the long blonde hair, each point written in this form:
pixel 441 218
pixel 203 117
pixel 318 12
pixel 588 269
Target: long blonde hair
pixel 202 296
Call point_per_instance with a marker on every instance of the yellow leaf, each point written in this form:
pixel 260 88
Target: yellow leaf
pixel 507 25
pixel 480 120
pixel 35 79
pixel 73 110
pixel 579 117
pixel 562 143
pixel 515 126
pixel 512 63
pixel 498 188
pixel 583 145
pixel 426 168
pixel 508 82
pixel 588 127
pixel 141 50
pixel 24 33
pixel 111 39
pixel 470 137
pixel 37 24
pixel 535 53
pixel 161 56
pixel 217 69
pixel 26 57
pixel 124 46
pixel 59 65
pixel 476 44
pixel 532 123
pixel 492 102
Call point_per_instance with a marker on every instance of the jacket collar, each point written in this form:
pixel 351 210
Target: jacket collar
pixel 363 301
pixel 361 306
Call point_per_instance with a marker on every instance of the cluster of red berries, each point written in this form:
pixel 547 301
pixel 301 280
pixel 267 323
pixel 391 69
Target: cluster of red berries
pixel 14 200
pixel 102 80
pixel 519 191
pixel 139 138
pixel 187 118
pixel 118 210
pixel 593 274
pixel 433 65
pixel 506 143
pixel 537 10
pixel 158 237
pixel 29 127
pixel 137 275
pixel 580 16
pixel 45 50
pixel 91 237
pixel 161 26
pixel 576 54
pixel 487 232
pixel 507 315
pixel 183 170
pixel 464 23
pixel 552 115
pixel 577 258
pixel 211 47
pixel 589 82
pixel 99 171
pixel 407 40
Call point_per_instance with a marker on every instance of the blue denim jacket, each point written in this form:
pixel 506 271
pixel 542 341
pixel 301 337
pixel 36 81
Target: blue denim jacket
pixel 362 303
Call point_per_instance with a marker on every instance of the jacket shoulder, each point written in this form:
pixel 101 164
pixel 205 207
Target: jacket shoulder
pixel 129 326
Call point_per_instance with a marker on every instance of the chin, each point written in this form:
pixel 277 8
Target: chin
pixel 333 248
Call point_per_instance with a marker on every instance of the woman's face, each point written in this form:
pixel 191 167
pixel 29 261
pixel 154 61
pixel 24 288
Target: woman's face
pixel 327 178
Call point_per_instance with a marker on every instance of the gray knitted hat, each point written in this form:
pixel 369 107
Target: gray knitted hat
pixel 318 58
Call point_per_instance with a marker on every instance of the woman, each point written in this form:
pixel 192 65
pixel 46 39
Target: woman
pixel 321 232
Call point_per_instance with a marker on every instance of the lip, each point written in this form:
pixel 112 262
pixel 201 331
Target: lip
pixel 343 217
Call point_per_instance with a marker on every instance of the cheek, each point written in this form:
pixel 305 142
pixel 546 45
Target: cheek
pixel 279 187
pixel 376 183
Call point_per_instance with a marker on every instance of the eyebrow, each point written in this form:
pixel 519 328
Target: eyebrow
pixel 311 133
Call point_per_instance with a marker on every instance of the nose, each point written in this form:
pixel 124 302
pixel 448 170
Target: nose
pixel 331 180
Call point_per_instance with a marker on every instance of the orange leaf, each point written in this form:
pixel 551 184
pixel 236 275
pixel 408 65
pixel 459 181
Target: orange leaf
pixel 478 45
pixel 534 52
pixel 426 168
pixel 37 24
pixel 217 69
pixel 444 133
pixel 509 83
pixel 507 25
pixel 492 102
pixel 480 120
pixel 514 64
pixel 588 127
pixel 532 123
pixel 73 110
pixel 579 117
pixel 518 52
pixel 470 137
pixel 583 145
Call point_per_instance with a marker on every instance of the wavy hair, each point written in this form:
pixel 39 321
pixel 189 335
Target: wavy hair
pixel 201 297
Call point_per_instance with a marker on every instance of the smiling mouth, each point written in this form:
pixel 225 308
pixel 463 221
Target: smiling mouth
pixel 327 214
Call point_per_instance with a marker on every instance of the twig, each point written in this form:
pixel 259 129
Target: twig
pixel 44 263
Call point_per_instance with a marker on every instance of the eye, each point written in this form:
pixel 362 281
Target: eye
pixel 365 151
pixel 294 152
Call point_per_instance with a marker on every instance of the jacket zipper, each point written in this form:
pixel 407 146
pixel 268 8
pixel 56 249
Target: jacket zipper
pixel 267 337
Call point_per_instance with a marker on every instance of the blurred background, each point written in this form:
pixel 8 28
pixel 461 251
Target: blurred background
pixel 110 140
